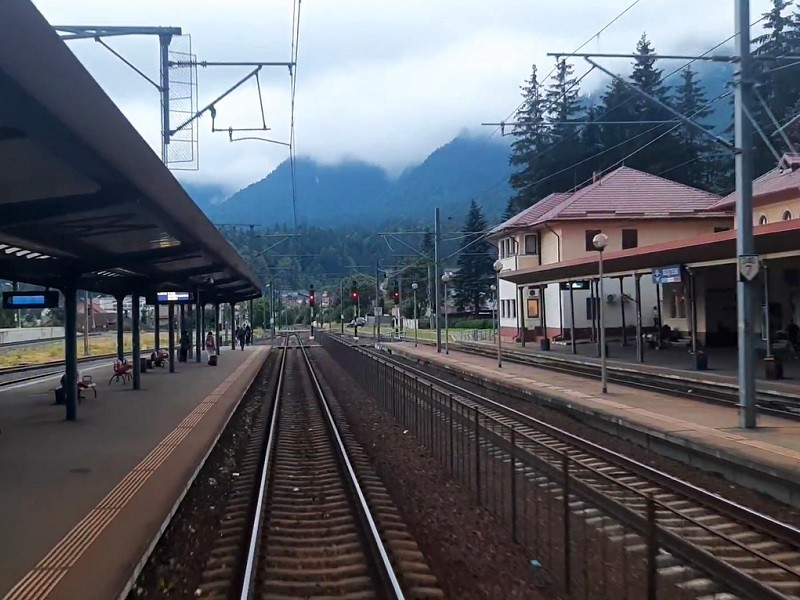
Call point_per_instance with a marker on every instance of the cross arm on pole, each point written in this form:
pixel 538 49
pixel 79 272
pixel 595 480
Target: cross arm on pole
pixel 682 118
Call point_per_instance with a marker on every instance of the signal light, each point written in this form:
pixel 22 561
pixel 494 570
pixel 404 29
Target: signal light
pixel 311 297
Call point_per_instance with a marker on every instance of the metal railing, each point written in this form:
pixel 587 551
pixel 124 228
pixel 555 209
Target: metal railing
pixel 593 543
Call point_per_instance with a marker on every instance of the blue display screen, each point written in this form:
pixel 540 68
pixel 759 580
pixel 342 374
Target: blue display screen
pixel 48 299
pixel 165 297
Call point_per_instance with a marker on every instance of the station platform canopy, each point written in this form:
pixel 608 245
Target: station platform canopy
pixel 772 240
pixel 84 200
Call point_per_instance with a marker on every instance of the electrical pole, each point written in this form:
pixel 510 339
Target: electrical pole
pixel 437 238
pixel 377 303
pixel 745 289
pixel 86 323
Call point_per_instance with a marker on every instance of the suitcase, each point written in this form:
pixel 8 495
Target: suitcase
pixel 212 360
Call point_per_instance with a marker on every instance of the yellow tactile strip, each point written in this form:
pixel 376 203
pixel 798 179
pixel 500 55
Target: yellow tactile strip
pixel 40 581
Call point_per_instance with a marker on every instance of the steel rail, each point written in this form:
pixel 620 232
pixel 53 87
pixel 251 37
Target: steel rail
pixel 780 531
pixel 718 393
pixel 255 533
pixel 785 532
pixel 384 564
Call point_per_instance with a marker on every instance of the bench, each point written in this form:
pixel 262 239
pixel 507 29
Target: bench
pixel 122 372
pixel 84 384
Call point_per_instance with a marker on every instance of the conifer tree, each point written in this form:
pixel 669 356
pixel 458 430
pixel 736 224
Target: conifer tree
pixel 696 151
pixel 563 107
pixel 474 262
pixel 531 136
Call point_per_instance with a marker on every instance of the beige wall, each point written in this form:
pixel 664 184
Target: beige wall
pixel 774 212
pixel 573 235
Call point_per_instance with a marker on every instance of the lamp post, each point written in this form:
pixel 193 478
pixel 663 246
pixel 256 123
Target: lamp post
pixel 600 242
pixel 445 279
pixel 498 266
pixel 415 287
pixel 493 289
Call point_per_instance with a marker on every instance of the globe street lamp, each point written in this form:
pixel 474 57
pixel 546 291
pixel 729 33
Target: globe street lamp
pixel 415 287
pixel 498 266
pixel 445 279
pixel 600 242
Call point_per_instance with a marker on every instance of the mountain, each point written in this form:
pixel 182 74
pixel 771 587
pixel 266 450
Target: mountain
pixel 357 192
pixel 205 195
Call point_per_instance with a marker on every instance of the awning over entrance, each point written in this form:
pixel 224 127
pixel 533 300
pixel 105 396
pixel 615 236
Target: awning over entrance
pixel 772 239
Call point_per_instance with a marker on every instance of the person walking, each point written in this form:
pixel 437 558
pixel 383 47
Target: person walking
pixel 241 335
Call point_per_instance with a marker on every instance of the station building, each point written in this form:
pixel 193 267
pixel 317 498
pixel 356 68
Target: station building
pixel 635 209
pixel 684 258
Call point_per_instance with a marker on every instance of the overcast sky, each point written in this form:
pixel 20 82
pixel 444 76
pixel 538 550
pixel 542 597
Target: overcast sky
pixel 386 81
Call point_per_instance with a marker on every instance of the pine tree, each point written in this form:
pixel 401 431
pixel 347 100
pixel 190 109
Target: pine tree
pixel 563 107
pixel 694 161
pixel 659 143
pixel 474 261
pixel 612 139
pixel 779 81
pixel 531 136
pixel 510 211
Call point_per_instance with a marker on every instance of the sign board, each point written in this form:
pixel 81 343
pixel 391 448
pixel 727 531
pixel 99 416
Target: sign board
pixel 749 266
pixel 48 299
pixel 167 297
pixel 575 285
pixel 671 274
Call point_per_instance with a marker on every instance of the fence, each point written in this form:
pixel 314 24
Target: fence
pixel 592 544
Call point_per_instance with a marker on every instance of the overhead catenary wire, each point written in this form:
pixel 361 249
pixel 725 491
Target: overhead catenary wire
pixel 295 45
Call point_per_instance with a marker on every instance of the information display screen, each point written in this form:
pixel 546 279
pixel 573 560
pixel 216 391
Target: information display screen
pixel 12 300
pixel 167 297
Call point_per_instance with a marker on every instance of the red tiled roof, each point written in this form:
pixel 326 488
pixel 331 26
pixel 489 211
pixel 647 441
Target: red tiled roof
pixel 533 213
pixel 628 193
pixel 624 193
pixel 785 177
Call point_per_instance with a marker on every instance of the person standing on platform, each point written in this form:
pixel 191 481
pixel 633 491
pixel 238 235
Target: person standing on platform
pixel 240 333
pixel 248 335
pixel 183 355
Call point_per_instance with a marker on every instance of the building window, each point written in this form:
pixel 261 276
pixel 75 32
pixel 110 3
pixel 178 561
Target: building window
pixel 590 233
pixel 762 220
pixel 592 308
pixel 532 244
pixel 787 215
pixel 677 304
pixel 630 238
pixel 513 308
pixel 533 308
pixel 721 229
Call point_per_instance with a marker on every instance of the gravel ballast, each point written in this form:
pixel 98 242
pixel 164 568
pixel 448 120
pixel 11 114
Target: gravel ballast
pixel 175 567
pixel 469 550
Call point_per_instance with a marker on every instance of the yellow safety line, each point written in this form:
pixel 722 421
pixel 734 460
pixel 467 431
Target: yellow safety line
pixel 41 580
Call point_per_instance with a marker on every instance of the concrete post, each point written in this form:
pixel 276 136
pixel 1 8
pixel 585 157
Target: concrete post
pixel 638 292
pixel 171 317
pixel 198 329
pixel 120 327
pixel 157 325
pixel 233 326
pixel 573 341
pixel 137 349
pixel 217 329
pixel 71 351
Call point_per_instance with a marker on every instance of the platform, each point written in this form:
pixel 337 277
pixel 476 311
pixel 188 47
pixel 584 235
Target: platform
pixel 709 433
pixel 83 501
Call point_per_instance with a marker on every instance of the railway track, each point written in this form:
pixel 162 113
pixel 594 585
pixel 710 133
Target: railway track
pixel 769 401
pixel 707 543
pixel 308 518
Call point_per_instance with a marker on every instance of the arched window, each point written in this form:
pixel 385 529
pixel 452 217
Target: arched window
pixel 762 220
pixel 787 215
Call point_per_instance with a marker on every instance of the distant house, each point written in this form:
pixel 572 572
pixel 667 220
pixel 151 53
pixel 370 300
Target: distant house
pixel 633 209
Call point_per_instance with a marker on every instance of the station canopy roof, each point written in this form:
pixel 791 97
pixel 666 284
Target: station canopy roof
pixel 83 198
pixel 771 240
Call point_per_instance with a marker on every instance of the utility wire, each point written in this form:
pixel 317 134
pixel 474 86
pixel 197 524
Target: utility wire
pixel 292 145
pixel 578 49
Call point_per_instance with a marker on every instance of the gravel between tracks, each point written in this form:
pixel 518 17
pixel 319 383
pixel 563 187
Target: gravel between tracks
pixel 709 481
pixel 175 567
pixel 470 552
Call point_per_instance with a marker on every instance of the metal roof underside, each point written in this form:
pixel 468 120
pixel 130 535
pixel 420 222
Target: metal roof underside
pixel 83 198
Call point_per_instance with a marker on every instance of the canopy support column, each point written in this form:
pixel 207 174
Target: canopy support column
pixel 71 351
